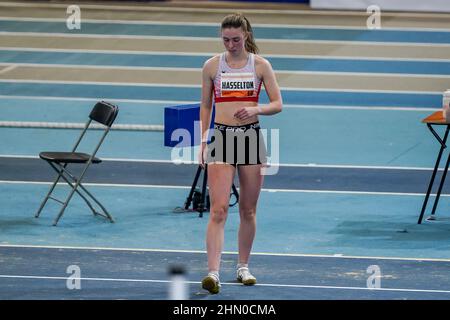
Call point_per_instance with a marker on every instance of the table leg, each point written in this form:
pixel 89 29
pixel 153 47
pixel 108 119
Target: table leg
pixel 433 176
pixel 441 185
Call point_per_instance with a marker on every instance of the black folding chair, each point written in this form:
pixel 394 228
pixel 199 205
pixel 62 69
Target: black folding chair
pixel 104 113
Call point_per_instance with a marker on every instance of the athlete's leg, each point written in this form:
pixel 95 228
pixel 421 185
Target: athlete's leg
pixel 220 179
pixel 250 183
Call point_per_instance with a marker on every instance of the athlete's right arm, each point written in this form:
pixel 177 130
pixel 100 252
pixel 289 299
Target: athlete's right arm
pixel 207 96
pixel 206 102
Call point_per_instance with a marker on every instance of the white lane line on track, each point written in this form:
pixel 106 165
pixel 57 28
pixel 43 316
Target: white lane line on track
pixel 298 286
pixel 185 251
pixel 179 102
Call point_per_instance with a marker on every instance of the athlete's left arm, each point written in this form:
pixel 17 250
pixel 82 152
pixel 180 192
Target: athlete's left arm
pixel 272 89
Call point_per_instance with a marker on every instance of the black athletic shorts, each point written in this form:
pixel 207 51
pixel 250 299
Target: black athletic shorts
pixel 237 145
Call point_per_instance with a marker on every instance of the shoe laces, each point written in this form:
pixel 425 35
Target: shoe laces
pixel 244 273
pixel 215 277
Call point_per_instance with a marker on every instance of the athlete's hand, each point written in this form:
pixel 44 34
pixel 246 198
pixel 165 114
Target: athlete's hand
pixel 202 154
pixel 246 113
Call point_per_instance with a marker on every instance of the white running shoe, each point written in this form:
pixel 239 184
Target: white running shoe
pixel 244 276
pixel 211 283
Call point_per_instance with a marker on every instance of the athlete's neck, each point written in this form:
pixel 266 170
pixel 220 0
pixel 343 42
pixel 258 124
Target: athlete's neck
pixel 233 58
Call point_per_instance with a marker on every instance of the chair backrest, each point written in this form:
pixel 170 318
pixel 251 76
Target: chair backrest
pixel 104 113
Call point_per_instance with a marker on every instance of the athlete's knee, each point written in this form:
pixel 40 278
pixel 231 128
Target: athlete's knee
pixel 247 213
pixel 218 213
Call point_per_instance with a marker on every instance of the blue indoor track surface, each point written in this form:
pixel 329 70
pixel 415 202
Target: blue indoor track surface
pixel 45 273
pixel 351 156
pixel 186 93
pixel 190 61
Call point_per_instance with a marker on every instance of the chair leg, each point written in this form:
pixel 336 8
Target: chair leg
pixel 65 205
pixel 105 212
pixel 61 170
pixel 75 189
pixel 60 174
pixel 72 186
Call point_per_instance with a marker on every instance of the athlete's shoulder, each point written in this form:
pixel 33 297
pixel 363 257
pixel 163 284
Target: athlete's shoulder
pixel 259 60
pixel 262 65
pixel 213 61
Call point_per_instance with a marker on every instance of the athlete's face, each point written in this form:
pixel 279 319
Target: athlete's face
pixel 233 39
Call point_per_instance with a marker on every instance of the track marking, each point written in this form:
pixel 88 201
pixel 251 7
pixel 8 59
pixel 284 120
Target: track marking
pixel 177 69
pixel 178 102
pixel 261 40
pixel 9 67
pixel 197 86
pixel 340 256
pixel 300 286
pixel 214 24
pixel 118 185
pixel 210 54
pixel 295 165
pixel 289 11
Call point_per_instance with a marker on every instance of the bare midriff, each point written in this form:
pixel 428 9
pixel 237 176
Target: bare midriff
pixel 225 113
